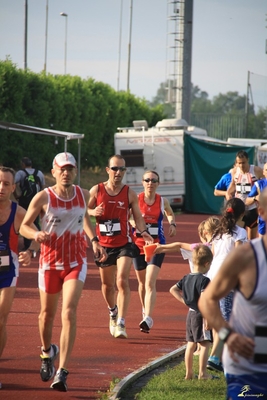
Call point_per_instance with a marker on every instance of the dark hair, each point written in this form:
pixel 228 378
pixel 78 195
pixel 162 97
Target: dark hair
pixel 115 156
pixel 242 154
pixel 231 213
pixel 26 161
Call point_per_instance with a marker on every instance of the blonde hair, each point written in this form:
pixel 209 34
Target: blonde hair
pixel 200 229
pixel 211 225
pixel 201 255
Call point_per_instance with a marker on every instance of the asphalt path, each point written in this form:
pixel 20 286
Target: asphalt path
pixel 97 357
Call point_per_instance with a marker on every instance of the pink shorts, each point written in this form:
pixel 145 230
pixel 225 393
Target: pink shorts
pixel 51 281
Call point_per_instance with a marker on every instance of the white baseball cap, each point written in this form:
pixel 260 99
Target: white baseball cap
pixel 63 159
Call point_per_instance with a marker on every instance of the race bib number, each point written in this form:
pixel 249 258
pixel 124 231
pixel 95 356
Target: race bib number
pixel 4 261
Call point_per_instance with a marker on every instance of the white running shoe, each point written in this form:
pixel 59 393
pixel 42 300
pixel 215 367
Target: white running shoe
pixel 112 324
pixel 146 324
pixel 120 332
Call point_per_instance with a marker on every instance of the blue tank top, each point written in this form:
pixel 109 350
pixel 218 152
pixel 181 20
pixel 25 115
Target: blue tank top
pixel 9 242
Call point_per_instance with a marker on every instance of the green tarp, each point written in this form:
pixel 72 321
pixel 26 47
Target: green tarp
pixel 205 162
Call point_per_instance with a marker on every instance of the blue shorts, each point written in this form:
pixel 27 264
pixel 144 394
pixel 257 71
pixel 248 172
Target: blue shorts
pixel 261 227
pixel 252 386
pixel 8 281
pixel 140 264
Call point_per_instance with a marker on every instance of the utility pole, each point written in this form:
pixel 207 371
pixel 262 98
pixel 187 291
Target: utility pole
pixel 25 34
pixel 129 46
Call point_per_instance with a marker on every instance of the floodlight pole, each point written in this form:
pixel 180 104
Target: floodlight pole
pixel 129 46
pixel 66 30
pixel 46 34
pixel 25 34
pixel 119 61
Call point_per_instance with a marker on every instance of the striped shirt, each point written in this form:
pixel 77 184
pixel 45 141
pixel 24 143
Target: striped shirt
pixel 64 221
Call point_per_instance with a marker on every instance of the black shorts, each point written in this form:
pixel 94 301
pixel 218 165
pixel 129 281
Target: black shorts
pixel 195 331
pixel 129 250
pixel 140 263
pixel 251 218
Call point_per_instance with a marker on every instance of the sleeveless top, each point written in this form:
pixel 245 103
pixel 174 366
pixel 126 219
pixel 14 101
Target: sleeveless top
pixel 249 313
pixel 64 220
pixel 153 216
pixel 113 228
pixel 244 183
pixel 9 245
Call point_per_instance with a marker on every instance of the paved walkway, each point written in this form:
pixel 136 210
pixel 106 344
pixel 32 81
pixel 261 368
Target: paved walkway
pixel 97 357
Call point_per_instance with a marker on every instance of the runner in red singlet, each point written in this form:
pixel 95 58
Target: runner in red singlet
pixel 63 264
pixel 111 203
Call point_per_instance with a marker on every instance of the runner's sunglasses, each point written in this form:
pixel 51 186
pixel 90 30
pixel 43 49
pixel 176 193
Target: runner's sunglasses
pixel 115 169
pixel 153 180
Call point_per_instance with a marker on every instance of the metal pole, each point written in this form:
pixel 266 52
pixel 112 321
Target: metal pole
pixel 119 61
pixel 46 33
pixel 129 46
pixel 66 30
pixel 247 105
pixel 25 34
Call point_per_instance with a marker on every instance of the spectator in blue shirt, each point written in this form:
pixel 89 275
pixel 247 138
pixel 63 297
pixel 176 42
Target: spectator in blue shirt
pixel 223 184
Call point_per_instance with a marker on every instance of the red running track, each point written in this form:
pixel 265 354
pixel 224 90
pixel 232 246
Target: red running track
pixel 97 357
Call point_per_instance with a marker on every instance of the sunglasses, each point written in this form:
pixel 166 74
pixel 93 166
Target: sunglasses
pixel 153 180
pixel 115 169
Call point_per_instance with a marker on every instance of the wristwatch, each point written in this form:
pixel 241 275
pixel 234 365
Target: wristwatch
pixel 224 333
pixel 94 239
pixel 33 253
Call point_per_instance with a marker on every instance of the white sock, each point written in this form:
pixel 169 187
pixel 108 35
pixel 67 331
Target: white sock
pixel 121 321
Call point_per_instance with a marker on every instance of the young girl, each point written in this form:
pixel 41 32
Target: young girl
pixel 206 230
pixel 227 236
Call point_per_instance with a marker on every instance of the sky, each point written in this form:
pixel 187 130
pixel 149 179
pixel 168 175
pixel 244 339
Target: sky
pixel 229 39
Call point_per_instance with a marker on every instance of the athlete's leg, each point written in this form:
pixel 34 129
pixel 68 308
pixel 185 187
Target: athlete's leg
pixel 141 277
pixel 6 299
pixel 108 280
pixel 123 272
pixel 46 317
pixel 152 272
pixel 71 293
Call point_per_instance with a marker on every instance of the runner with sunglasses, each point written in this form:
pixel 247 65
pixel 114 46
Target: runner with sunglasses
pixel 112 202
pixel 153 207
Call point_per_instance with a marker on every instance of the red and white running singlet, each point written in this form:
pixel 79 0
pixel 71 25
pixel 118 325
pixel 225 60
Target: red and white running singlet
pixel 244 181
pixel 64 221
pixel 113 227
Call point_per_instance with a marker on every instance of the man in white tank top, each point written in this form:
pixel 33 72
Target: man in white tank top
pixel 245 336
pixel 244 176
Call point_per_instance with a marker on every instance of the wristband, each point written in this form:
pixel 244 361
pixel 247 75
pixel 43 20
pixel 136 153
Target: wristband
pixel 145 230
pixel 36 236
pixel 94 239
pixel 173 224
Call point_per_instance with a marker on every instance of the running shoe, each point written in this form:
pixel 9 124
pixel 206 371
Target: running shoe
pixel 112 324
pixel 113 316
pixel 120 332
pixel 214 365
pixel 59 382
pixel 146 324
pixel 47 370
